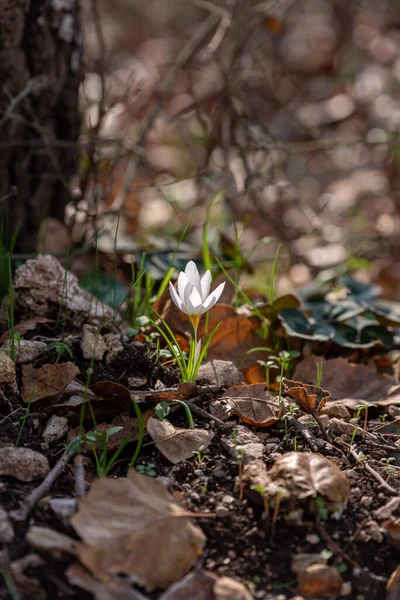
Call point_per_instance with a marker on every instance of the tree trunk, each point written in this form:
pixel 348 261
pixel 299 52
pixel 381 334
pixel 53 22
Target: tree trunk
pixel 40 72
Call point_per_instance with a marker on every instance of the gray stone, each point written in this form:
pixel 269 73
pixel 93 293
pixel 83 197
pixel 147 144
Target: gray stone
pixel 6 528
pixel 23 464
pixel 25 351
pixel 56 428
pixel 220 372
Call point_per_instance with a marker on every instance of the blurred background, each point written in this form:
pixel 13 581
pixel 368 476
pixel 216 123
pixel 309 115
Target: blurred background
pixel 271 120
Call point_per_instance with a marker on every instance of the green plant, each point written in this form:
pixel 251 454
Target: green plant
pixel 321 508
pixel 284 360
pixel 200 456
pixel 98 442
pixel 10 585
pixel 359 409
pixel 23 420
pixel 147 469
pixel 140 434
pixel 390 469
pixel 319 374
pixel 193 299
pixel 60 349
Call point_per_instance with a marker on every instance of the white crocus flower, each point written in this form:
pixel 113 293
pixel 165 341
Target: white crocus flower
pixel 193 296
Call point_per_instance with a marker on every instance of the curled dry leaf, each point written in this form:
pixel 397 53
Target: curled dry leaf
pixel 310 397
pixel 133 527
pixel 392 530
pixel 46 381
pixel 49 540
pixel 253 404
pixel 393 585
pixel 27 325
pixel 312 475
pixel 175 443
pixel 320 581
pixel 202 585
pixel 350 383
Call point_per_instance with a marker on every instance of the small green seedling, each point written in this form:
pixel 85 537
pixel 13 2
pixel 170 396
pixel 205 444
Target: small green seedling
pixel 60 349
pixel 200 456
pixel 364 407
pixel 98 443
pixel 390 469
pixel 321 508
pixel 147 469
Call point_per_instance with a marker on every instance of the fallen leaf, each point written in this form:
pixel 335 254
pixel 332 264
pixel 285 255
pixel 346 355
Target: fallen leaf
pixel 133 527
pixel 202 585
pixel 350 383
pixel 29 587
pixel 392 530
pixel 312 475
pixel 27 325
pixel 320 581
pixel 46 381
pixel 112 590
pixel 386 511
pixel 253 404
pixel 175 443
pixel 310 397
pixel 393 585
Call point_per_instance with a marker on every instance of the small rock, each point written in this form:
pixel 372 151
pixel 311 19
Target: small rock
pixel 313 539
pixel 301 561
pixel 56 428
pixel 7 372
pixel 269 448
pixel 228 499
pixel 135 383
pixel 93 345
pixel 222 511
pixel 366 501
pixel 219 473
pixel 198 472
pixel 250 452
pixel 337 411
pixel 63 508
pixel 275 456
pixel 23 464
pixel 114 346
pixel 309 420
pixel 6 528
pixel 374 532
pixel 341 427
pixel 220 409
pixel 25 351
pixel 220 372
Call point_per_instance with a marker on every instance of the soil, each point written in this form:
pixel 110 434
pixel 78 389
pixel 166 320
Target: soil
pixel 241 542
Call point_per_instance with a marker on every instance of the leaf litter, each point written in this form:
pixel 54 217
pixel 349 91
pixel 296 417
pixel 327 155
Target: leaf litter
pixel 296 484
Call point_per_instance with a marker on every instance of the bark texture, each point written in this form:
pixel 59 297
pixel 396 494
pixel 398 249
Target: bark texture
pixel 40 73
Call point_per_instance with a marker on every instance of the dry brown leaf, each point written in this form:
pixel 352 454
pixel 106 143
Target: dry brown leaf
pixel 310 397
pixel 312 475
pixel 46 381
pixel 133 527
pixel 113 590
pixel 350 383
pixel 27 325
pixel 392 530
pixel 49 540
pixel 320 581
pixel 253 404
pixel 393 585
pixel 202 585
pixel 175 443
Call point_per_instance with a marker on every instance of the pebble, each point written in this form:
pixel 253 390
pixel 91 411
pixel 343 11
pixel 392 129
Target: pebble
pixel 220 372
pixel 222 511
pixel 6 528
pixel 220 474
pixel 275 456
pixel 23 464
pixel 228 499
pixel 198 472
pixel 366 501
pixel 56 428
pixel 313 538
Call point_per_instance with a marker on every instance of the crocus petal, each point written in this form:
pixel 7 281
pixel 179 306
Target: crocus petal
pixel 192 273
pixel 183 281
pixel 213 297
pixel 194 304
pixel 176 300
pixel 205 285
